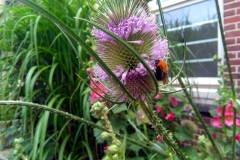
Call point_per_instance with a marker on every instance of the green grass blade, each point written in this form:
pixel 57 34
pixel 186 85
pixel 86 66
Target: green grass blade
pixel 62 147
pixel 81 42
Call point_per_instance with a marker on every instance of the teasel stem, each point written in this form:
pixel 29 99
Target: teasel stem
pixel 234 95
pixel 76 118
pixel 159 128
pixel 198 114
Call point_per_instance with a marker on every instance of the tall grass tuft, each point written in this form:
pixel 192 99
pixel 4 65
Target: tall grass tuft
pixel 39 65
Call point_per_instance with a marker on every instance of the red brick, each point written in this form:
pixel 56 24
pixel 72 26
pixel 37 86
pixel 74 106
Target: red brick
pixel 235 61
pixel 234 33
pixel 232 55
pixel 229 27
pixel 233 19
pixel 238 54
pixel 236 75
pixel 207 120
pixel 233 69
pixel 230 41
pixel 227 1
pixel 229 13
pixel 238 82
pixel 232 5
pixel 238 25
pixel 238 40
pixel 239 69
pixel 233 48
pixel 238 11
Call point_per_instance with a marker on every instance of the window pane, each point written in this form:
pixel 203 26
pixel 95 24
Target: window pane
pixel 204 69
pixel 199 24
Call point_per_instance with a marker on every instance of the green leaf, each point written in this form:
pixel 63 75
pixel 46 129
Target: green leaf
pixel 236 103
pixel 178 109
pixel 135 148
pixel 213 112
pixel 119 108
pixel 62 147
pixel 229 132
pixel 118 123
pixel 192 153
pixel 181 134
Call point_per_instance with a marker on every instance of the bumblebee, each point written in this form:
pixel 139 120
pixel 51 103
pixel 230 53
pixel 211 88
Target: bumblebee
pixel 161 73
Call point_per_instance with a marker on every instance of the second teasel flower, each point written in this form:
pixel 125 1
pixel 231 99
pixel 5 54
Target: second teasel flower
pixel 131 21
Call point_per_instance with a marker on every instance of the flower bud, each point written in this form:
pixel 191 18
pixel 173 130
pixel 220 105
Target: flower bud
pixel 105 135
pixel 98 109
pixel 115 157
pixel 189 126
pixel 113 149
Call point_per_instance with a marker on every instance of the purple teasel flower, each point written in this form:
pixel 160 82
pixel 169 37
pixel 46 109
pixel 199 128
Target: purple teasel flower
pixel 131 21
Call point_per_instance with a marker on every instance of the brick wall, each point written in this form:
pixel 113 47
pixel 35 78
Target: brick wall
pixel 232 33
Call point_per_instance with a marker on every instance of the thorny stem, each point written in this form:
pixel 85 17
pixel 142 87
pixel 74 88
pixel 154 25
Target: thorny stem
pixel 230 76
pixel 157 125
pixel 190 100
pixel 70 116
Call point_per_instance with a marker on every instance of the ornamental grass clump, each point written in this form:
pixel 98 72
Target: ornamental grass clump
pixel 131 21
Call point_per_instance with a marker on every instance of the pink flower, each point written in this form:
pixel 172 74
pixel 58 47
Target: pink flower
pixel 159 139
pixel 158 96
pixel 228 117
pixel 97 91
pixel 170 117
pixel 158 109
pixel 219 111
pixel 229 108
pixel 217 122
pixel 237 137
pixel 173 101
pixel 238 122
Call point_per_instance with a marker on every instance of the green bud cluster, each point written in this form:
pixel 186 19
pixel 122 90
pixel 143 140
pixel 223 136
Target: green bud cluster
pixel 18 149
pixel 99 109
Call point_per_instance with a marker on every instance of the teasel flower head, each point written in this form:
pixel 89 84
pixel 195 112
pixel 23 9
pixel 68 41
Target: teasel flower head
pixel 131 21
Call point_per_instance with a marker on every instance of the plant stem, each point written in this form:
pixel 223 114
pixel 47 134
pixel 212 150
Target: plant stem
pixel 157 125
pixel 70 116
pixel 230 76
pixel 162 18
pixel 190 100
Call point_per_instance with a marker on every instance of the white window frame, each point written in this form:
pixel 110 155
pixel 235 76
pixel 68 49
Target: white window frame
pixel 206 90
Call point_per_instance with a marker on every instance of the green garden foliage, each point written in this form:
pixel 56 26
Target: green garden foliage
pixel 39 65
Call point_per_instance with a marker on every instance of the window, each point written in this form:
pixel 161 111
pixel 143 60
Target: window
pixel 197 19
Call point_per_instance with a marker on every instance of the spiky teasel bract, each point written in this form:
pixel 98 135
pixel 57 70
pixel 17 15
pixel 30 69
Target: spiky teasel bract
pixel 131 21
